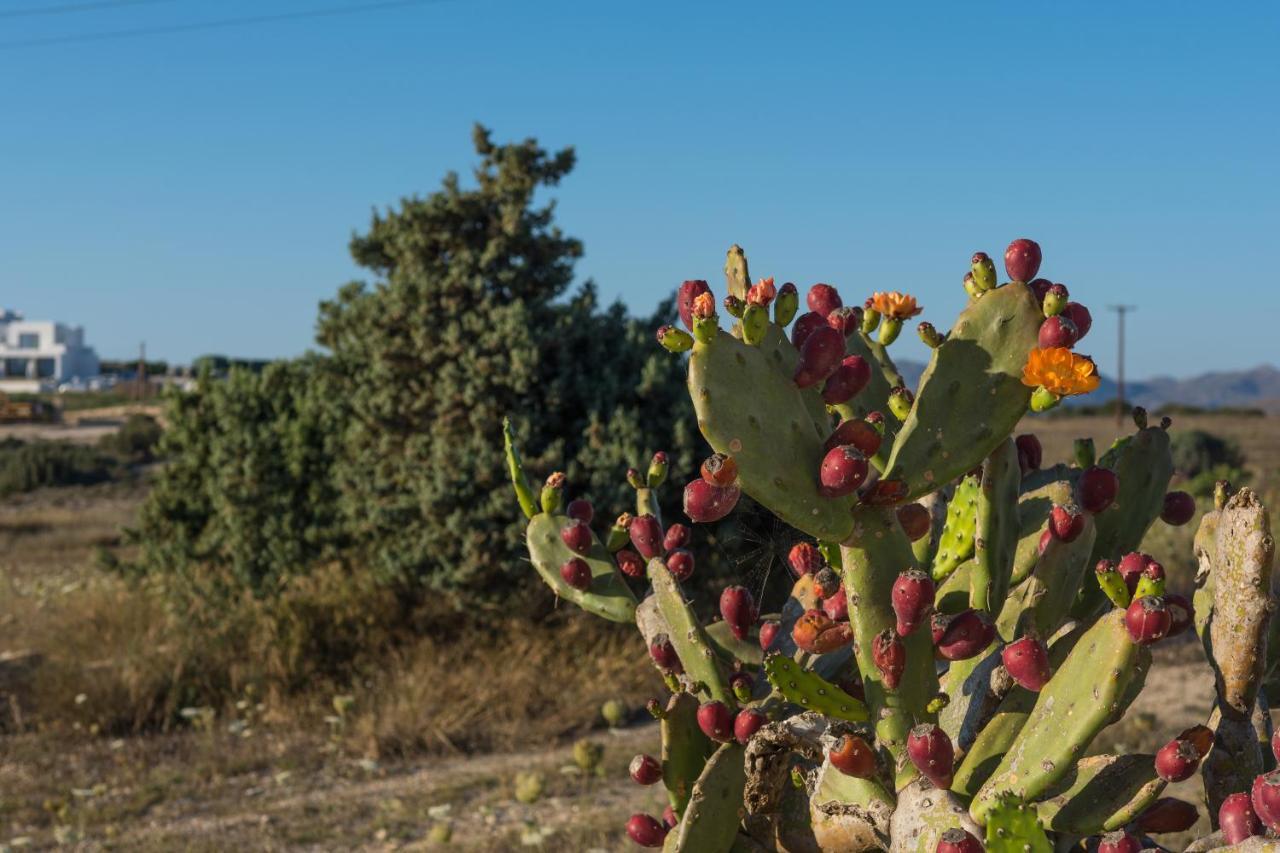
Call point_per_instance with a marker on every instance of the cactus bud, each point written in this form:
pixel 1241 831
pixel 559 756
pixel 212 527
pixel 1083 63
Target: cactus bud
pixel 646 536
pixel 786 305
pixel 705 503
pixel 1237 819
pixel 645 770
pixel 858 433
pixel 747 723
pixel 1168 814
pixel 890 657
pixel 845 320
pixel 900 400
pixel 734 306
pixel 655 709
pixel 963 635
pixel 890 328
pixel 1112 583
pixel 1055 299
pixel 931 336
pixel 768 630
pixel 1181 613
pixel 805 326
pixel 1030 453
pixel 1027 662
pixel 1057 331
pixel 804 559
pixel 577 536
pixel 1042 399
pixel 1079 317
pixel 755 322
pixel 852 756
pixel 576 573
pixel 970 287
pixel 677 536
pixel 870 318
pixel 843 470
pixel 847 380
pixel 1022 259
pixel 619 533
pixel 1066 522
pixel 657 474
pixel 634 480
pixel 580 509
pixel 915 521
pixel 1147 619
pixel 930 750
pixel 820 355
pixel 646 831
pixel 1084 453
pixel 716 721
pixel 664 654
pixel 1177 760
pixel 823 299
pixel 983 272
pixel 739 610
pixel 680 564
pixel 836 605
pixel 705 321
pixel 1119 842
pixel 675 340
pixel 552 493
pixel 741 685
pixel 912 599
pixel 630 563
pixel 1179 508
pixel 688 292
pixel 958 841
pixel 817 633
pixel 1097 489
pixel 1151 581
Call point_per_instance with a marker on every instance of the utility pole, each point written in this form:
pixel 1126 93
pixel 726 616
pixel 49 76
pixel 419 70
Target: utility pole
pixel 142 370
pixel 1120 310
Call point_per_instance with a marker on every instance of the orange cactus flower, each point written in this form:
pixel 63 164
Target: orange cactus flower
pixel 704 306
pixel 762 292
pixel 1060 371
pixel 898 306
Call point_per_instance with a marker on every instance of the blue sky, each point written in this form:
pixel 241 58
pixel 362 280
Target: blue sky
pixel 197 190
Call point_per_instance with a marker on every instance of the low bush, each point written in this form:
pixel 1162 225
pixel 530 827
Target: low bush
pixel 26 466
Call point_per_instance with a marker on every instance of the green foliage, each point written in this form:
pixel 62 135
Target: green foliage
pixel 1204 458
pixel 136 440
pixel 25 466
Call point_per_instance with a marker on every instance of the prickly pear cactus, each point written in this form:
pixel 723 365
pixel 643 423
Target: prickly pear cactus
pixel 967 622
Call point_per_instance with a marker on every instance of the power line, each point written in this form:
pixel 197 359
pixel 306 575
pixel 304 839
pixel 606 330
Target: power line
pixel 65 8
pixel 216 24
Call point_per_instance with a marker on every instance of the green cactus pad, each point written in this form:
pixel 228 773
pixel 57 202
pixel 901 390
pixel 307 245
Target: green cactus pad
pixel 971 395
pixel 729 648
pixel 953 593
pixel 1042 601
pixel 714 811
pixel 684 748
pixel 1041 490
pixel 1081 699
pixel 749 408
pixel 848 813
pixel 737 277
pixel 959 531
pixel 996 537
pixel 609 596
pixel 1102 793
pixel 811 692
pixel 695 651
pixel 524 492
pixel 967 684
pixel 1013 827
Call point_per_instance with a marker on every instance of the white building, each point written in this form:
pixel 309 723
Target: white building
pixel 37 355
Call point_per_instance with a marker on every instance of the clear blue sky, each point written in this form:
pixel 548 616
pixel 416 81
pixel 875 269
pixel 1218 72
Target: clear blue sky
pixel 197 190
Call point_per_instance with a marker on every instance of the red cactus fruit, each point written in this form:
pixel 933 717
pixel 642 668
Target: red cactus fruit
pixel 804 327
pixel 1275 744
pixel 958 841
pixel 1168 814
pixel 630 563
pixel 1119 842
pixel 705 503
pixel 1179 508
pixel 885 493
pixel 1177 760
pixel 965 635
pixel 847 380
pixel 664 654
pixel 1147 619
pixel 1045 538
pixel 823 299
pixel 688 292
pixel 1130 568
pixel 1265 798
pixel 805 559
pixel 820 354
pixel 677 536
pixel 747 723
pixel 576 535
pixel 837 605
pixel 669 817
pixel 930 750
pixel 1181 613
pixel 912 599
pixel 915 520
pixel 646 536
pixel 1030 453
pixel 1237 819
pixel 1066 522
pixel 680 564
pixel 576 573
pixel 845 320
pixel 768 630
pixel 1027 662
pixel 1058 331
pixel 1097 489
pixel 716 721
pixel 645 770
pixel 1080 316
pixel 858 433
pixel 1040 287
pixel 719 469
pixel 852 756
pixel 1022 259
pixel 739 610
pixel 646 831
pixel 890 657
pixel 817 633
pixel 580 509
pixel 843 470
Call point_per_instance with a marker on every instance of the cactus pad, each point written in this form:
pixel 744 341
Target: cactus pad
pixel 687 636
pixel 1101 794
pixel 959 531
pixel 811 692
pixel 1041 602
pixel 1013 827
pixel 684 748
pixel 996 537
pixel 729 648
pixel 608 596
pixel 714 811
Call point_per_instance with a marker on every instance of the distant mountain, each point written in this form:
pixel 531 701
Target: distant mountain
pixel 1257 388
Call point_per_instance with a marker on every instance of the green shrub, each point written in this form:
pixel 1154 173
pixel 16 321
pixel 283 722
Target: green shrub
pixel 26 466
pixel 136 439
pixel 1204 458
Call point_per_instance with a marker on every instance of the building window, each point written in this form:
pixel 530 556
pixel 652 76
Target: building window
pixel 46 368
pixel 29 340
pixel 15 367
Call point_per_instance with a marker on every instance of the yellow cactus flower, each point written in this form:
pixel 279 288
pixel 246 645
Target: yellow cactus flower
pixel 1060 371
pixel 898 306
